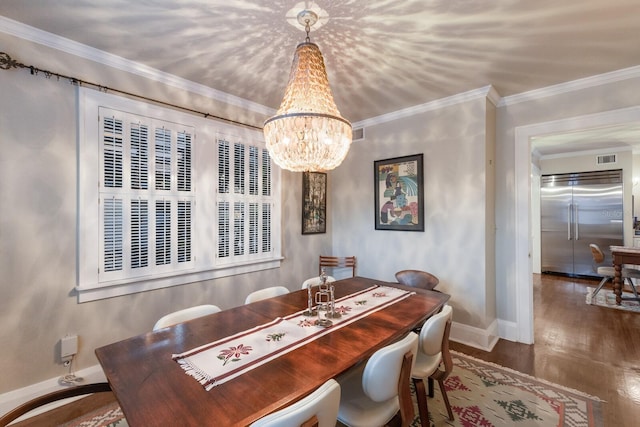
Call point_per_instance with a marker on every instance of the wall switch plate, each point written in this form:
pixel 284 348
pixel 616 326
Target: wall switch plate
pixel 68 346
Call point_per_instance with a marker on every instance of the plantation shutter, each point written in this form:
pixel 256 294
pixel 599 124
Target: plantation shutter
pixel 244 213
pixel 146 217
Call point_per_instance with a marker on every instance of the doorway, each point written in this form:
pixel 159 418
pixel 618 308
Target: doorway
pixel 523 220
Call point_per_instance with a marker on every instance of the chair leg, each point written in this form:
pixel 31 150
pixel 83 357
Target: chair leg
pixel 602 283
pixel 445 398
pixel 430 383
pixel 633 287
pixel 421 397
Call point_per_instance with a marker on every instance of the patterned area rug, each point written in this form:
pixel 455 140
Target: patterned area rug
pixel 485 394
pixel 480 393
pixel 108 416
pixel 606 298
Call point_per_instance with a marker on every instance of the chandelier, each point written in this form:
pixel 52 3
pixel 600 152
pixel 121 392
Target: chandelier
pixel 307 133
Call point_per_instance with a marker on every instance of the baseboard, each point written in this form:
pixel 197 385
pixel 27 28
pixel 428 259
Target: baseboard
pixel 484 339
pixel 14 398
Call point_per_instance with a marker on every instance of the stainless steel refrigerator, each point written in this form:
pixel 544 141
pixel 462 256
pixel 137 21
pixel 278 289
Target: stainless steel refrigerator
pixel 578 209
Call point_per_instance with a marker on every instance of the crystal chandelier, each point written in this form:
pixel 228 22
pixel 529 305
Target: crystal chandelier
pixel 307 133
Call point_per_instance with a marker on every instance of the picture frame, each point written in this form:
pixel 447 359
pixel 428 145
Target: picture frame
pixel 314 202
pixel 399 193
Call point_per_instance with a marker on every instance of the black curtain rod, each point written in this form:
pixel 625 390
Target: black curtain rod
pixel 7 63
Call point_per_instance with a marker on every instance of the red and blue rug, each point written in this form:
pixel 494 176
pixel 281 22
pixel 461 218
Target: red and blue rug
pixel 485 394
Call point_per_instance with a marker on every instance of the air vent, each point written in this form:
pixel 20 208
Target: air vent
pixel 606 159
pixel 358 134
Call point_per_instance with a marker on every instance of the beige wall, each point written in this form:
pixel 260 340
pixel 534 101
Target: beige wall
pixel 38 305
pixel 454 143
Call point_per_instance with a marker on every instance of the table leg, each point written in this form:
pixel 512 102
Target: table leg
pixel 617 283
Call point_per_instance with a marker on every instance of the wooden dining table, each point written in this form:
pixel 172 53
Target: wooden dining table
pixel 622 255
pixel 153 390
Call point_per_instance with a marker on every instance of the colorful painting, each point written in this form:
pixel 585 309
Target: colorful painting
pixel 314 202
pixel 399 194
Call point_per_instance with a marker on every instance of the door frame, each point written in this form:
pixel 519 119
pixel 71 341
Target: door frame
pixel 522 171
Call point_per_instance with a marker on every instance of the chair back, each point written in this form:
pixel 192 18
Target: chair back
pixel 320 408
pixel 315 281
pixel 265 293
pixel 185 314
pixel 54 396
pixel 432 334
pixel 382 372
pixel 596 252
pixel 327 261
pixel 417 279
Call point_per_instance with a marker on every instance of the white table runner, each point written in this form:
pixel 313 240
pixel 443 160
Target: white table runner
pixel 222 360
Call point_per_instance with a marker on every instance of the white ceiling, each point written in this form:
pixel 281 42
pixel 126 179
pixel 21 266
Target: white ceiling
pixel 381 55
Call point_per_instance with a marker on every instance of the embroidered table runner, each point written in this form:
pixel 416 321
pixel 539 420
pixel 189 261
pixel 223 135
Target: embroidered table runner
pixel 222 360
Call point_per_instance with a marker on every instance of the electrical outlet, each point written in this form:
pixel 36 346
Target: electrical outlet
pixel 68 347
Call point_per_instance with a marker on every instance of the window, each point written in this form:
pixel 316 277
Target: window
pixel 243 226
pixel 178 199
pixel 146 223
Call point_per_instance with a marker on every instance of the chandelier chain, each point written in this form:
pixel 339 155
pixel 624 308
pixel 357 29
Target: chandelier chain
pixel 307 28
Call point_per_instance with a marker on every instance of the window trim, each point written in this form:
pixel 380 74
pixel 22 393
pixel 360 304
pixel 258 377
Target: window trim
pixel 204 179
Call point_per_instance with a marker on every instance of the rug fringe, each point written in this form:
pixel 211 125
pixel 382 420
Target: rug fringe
pixel 527 376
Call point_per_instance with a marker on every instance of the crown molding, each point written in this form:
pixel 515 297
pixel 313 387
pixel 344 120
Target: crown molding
pixel 53 41
pixel 484 92
pixel 584 83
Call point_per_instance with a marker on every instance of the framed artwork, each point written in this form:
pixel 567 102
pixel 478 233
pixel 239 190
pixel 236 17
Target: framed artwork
pixel 399 193
pixel 314 202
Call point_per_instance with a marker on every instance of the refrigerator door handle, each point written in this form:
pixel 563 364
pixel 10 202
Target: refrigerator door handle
pixel 568 221
pixel 576 222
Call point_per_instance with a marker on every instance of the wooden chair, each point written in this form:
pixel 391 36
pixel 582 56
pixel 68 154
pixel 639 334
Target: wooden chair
pixel 185 314
pixel 54 396
pixel 337 262
pixel 417 279
pixel 433 353
pixel 319 409
pixel 373 395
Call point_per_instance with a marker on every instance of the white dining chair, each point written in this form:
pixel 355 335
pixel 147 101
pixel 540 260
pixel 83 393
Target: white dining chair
pixel 373 394
pixel 185 314
pixel 433 352
pixel 265 293
pixel 320 409
pixel 315 281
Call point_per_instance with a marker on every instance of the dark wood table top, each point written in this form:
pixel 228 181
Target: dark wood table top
pixel 153 390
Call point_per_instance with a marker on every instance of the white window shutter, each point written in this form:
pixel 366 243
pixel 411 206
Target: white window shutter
pixel 139 233
pixel 139 155
pixel 163 158
pixel 113 235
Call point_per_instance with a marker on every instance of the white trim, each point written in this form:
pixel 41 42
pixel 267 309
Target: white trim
pixel 483 92
pixel 14 398
pixel 611 150
pixel 54 41
pixel 484 339
pixel 580 84
pixel 86 294
pixel 523 134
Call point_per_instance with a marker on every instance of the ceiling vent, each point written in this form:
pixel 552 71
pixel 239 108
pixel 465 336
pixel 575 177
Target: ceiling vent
pixel 606 159
pixel 358 134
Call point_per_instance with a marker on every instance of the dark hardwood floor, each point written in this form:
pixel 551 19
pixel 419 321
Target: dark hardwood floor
pixel 592 349
pixel 588 348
